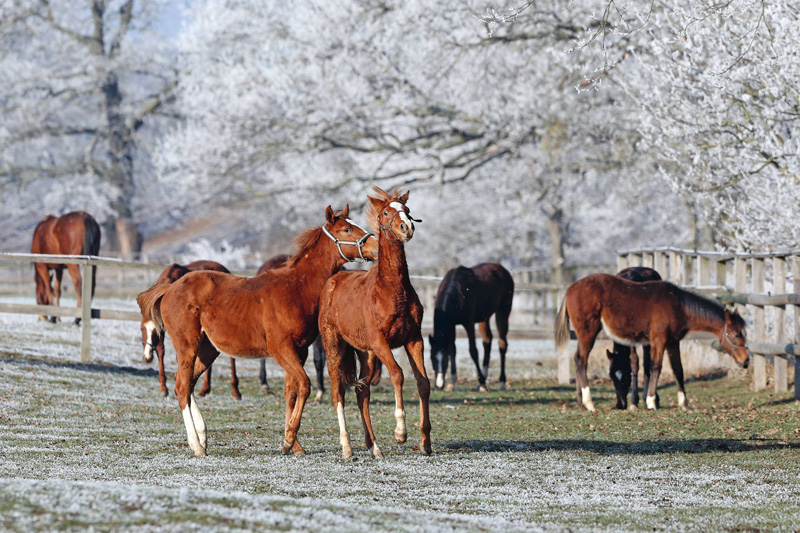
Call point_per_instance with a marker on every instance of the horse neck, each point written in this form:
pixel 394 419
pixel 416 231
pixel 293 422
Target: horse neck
pixel 314 266
pixel 702 317
pixel 444 325
pixel 392 266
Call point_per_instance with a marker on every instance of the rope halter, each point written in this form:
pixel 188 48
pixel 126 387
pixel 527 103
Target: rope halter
pixel 359 244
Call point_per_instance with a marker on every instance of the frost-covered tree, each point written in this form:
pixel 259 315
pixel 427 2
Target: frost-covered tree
pixel 82 81
pixel 325 99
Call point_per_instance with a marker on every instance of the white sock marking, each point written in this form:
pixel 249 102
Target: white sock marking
pixel 651 402
pixel 439 380
pixel 681 399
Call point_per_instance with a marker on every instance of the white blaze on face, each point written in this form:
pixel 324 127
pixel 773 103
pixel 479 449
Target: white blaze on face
pixel 618 375
pixel 402 213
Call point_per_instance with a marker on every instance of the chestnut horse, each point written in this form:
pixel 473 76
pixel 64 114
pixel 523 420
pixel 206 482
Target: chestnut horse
pixel 75 233
pixel 653 312
pixel 153 340
pixel 372 312
pixel 271 315
pixel 624 367
pixel 468 296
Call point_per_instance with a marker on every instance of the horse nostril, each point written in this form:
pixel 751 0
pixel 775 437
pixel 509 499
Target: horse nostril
pixel 403 227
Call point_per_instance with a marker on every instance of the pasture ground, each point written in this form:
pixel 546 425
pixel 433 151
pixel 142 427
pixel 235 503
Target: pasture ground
pixel 92 446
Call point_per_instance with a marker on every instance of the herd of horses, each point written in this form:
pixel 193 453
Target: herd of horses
pixel 355 318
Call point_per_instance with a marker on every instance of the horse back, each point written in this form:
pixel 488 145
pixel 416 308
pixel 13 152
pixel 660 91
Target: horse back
pixel 495 290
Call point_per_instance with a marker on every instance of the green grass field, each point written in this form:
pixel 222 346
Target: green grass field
pixel 93 446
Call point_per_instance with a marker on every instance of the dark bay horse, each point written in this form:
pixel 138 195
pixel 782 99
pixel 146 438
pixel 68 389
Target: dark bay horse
pixel 653 312
pixel 468 296
pixel 373 312
pixel 153 340
pixel 271 315
pixel 279 261
pixel 624 367
pixel 75 233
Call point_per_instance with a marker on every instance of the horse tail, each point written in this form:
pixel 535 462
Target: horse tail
pixel 150 304
pixel 91 244
pixel 561 328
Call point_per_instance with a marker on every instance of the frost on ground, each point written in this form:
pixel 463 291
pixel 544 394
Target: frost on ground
pixel 92 445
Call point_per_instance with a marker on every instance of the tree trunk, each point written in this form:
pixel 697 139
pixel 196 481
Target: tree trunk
pixel 555 226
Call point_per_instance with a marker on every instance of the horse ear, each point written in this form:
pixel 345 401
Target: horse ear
pixel 377 202
pixel 403 199
pixel 329 214
pixel 346 212
pixel 609 354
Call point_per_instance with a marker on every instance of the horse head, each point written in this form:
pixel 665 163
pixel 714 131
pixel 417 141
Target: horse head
pixel 349 237
pixel 151 338
pixel 620 373
pixel 389 214
pixel 733 339
pixel 442 350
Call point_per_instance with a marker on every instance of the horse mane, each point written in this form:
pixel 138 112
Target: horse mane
pixel 371 211
pixel 307 239
pixel 700 306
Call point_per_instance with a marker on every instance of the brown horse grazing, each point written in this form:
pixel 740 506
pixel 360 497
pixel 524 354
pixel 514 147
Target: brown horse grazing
pixel 624 367
pixel 374 311
pixel 75 233
pixel 468 296
pixel 153 340
pixel 271 315
pixel 653 312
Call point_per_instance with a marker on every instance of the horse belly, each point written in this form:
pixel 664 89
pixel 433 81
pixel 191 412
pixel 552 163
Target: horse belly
pixel 627 338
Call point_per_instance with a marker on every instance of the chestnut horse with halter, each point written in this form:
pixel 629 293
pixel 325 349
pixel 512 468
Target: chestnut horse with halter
pixel 624 367
pixel 372 312
pixel 153 340
pixel 271 315
pixel 75 233
pixel 653 312
pixel 467 296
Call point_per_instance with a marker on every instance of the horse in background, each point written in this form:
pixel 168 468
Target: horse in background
pixel 467 296
pixel 271 315
pixel 624 367
pixel 153 340
pixel 652 312
pixel 372 312
pixel 76 233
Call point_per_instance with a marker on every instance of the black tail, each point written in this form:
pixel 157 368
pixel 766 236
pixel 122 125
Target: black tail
pixel 91 244
pixel 349 376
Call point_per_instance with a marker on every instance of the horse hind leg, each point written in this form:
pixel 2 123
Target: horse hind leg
pixel 262 376
pixel 75 273
pixel 367 360
pixel 581 380
pixel 486 337
pixel 502 331
pixel 193 359
pixel 319 366
pixel 206 388
pixel 234 381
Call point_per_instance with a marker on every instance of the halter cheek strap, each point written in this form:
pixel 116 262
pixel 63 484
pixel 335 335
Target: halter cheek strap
pixel 359 244
pixel 389 227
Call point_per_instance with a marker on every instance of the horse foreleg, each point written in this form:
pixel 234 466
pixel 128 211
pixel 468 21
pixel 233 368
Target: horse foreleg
pixel 262 376
pixel 384 353
pixel 57 277
pixel 486 336
pixel 416 358
pixel 362 395
pixel 75 273
pixel 473 352
pixel 297 390
pixel 234 381
pixel 335 350
pixel 162 378
pixel 657 352
pixel 674 352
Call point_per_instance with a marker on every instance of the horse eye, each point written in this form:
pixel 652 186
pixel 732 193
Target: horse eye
pixel 386 213
pixel 347 230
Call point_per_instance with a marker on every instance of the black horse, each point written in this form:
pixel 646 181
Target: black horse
pixel 624 368
pixel 468 296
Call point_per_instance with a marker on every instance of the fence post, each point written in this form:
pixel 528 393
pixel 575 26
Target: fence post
pixel 796 289
pixel 759 327
pixel 660 261
pixel 86 311
pixel 780 364
pixel 703 276
pixel 722 273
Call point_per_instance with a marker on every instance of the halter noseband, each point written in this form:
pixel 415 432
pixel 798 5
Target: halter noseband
pixel 389 226
pixel 359 244
pixel 726 337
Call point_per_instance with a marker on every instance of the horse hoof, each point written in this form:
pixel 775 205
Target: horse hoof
pixel 482 388
pixel 347 453
pixel 318 396
pixel 286 449
pixel 200 453
pixel 448 387
pixel 425 449
pixel 401 437
pixel 265 387
pixel 376 452
pixel 237 396
pixel 163 394
pixel 203 393
pixel 501 385
pixel 633 407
